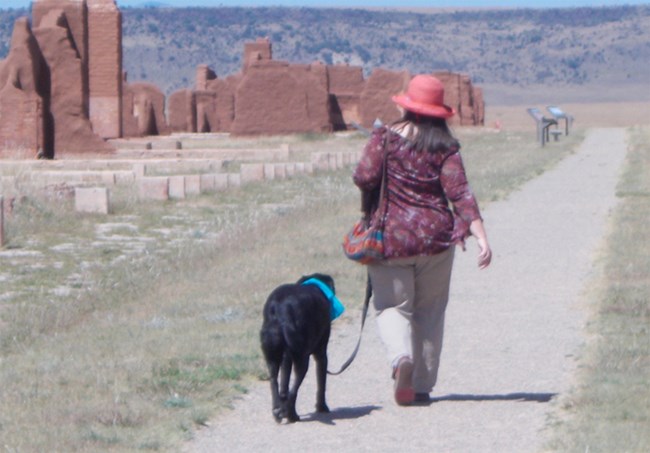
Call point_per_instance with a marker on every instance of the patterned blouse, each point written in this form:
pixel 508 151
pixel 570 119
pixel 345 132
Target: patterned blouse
pixel 420 186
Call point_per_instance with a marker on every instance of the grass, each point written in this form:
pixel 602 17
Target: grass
pixel 609 409
pixel 126 332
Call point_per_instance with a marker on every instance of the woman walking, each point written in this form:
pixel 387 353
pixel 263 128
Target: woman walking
pixel 429 208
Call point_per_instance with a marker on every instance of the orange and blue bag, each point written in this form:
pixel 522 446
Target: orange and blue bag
pixel 364 243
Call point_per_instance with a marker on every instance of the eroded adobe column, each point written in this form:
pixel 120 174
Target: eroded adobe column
pixel 76 15
pixel 105 67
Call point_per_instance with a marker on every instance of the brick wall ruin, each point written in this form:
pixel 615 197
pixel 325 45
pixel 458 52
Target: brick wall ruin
pixel 63 91
pixel 278 97
pixel 143 110
pixel 73 132
pixel 48 70
pixel 105 68
pixel 24 93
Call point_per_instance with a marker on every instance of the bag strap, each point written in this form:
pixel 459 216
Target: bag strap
pixel 382 187
pixel 384 174
pixel 364 312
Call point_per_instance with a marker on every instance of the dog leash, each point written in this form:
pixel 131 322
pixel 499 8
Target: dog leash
pixel 364 312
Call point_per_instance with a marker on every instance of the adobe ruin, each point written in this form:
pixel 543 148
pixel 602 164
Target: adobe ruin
pixel 278 97
pixel 63 90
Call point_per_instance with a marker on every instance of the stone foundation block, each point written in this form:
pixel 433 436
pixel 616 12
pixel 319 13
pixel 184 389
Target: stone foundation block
pixel 193 184
pixel 320 161
pixel 251 173
pixel 124 177
pixel 177 187
pixel 139 170
pixel 91 199
pixel 290 169
pixel 269 171
pixel 153 188
pixel 333 161
pixel 280 171
pixel 207 183
pixel 221 181
pixel 234 180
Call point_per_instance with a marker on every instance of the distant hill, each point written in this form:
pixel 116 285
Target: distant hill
pixel 518 55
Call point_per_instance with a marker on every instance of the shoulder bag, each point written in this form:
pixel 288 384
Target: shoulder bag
pixel 364 243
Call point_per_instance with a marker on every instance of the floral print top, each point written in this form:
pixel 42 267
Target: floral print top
pixel 421 186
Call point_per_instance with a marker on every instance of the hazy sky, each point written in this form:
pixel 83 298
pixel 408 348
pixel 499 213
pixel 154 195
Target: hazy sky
pixel 361 3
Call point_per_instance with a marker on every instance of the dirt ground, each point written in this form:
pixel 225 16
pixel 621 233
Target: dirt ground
pixel 513 335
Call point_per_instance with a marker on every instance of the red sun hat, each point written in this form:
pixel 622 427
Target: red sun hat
pixel 425 95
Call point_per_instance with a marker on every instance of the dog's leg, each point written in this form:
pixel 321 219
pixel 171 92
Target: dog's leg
pixel 320 357
pixel 285 376
pixel 273 349
pixel 274 369
pixel 300 366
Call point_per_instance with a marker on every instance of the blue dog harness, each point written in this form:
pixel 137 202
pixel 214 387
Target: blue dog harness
pixel 337 307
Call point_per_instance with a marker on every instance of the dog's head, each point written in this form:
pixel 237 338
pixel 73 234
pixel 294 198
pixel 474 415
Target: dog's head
pixel 329 281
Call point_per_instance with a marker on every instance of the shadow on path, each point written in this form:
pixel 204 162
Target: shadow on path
pixel 342 413
pixel 520 396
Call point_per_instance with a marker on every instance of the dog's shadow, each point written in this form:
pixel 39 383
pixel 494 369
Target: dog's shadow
pixel 341 413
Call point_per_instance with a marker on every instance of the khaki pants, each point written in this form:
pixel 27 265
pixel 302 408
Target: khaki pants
pixel 410 297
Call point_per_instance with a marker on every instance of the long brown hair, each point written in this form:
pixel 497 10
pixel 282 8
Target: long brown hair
pixel 432 134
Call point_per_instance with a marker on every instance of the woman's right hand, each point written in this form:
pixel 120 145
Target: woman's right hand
pixel 485 253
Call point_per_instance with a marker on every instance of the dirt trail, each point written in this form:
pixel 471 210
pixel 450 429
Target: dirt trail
pixel 513 332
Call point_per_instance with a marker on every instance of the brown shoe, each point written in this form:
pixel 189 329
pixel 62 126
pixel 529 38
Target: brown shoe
pixel 403 374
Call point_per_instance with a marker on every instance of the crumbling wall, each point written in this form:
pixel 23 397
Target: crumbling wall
pixel 76 16
pixel 72 130
pixel 275 97
pixel 346 84
pixel 376 103
pixel 25 125
pixel 181 111
pixel 143 110
pixel 105 68
pixel 463 97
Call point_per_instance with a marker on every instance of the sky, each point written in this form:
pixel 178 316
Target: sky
pixel 4 4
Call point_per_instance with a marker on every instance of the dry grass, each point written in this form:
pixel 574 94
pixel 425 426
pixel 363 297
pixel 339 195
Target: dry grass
pixel 609 408
pixel 125 332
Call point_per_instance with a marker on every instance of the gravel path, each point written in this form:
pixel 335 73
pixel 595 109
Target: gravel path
pixel 513 332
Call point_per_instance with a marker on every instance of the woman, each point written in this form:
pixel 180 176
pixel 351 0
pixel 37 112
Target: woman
pixel 425 174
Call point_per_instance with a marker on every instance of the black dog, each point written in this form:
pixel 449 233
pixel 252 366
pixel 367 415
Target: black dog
pixel 296 325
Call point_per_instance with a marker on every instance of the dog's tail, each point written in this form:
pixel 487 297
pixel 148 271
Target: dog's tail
pixel 271 335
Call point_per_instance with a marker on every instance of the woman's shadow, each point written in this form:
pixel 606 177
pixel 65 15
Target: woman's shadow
pixel 346 413
pixel 517 396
